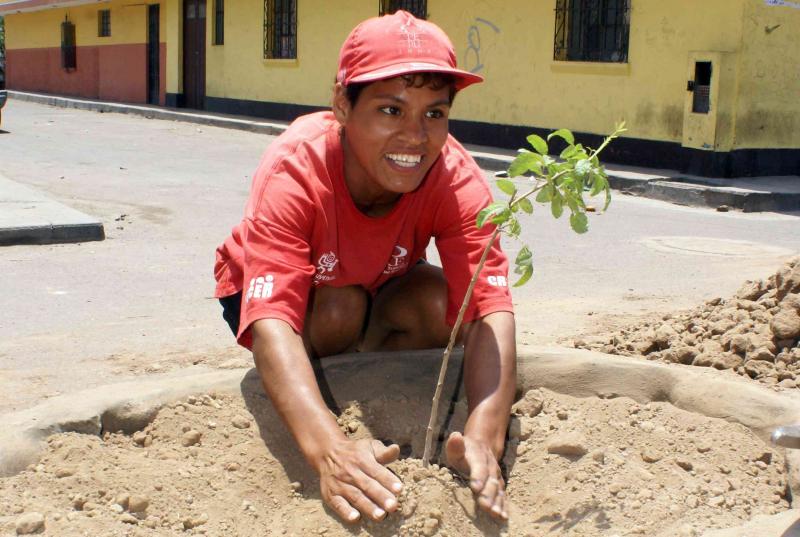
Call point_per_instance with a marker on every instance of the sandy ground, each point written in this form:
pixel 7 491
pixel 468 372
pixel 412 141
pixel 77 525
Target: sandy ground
pixel 222 465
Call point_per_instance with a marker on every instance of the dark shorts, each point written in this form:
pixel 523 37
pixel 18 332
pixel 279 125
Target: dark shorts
pixel 232 306
pixel 232 310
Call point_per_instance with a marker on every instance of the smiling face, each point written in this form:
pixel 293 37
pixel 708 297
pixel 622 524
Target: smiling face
pixel 392 136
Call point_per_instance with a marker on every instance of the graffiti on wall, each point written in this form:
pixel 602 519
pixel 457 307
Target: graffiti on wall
pixel 472 56
pixel 784 3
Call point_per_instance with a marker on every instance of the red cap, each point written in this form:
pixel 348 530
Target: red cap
pixel 398 44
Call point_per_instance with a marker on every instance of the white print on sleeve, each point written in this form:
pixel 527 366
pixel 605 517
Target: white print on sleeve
pixel 260 287
pixel 325 266
pixel 498 281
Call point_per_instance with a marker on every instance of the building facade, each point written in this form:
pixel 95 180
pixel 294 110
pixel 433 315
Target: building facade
pixel 708 87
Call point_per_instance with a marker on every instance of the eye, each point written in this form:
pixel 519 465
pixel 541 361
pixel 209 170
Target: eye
pixel 390 110
pixel 436 114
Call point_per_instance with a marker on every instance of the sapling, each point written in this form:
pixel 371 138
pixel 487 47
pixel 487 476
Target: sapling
pixel 559 182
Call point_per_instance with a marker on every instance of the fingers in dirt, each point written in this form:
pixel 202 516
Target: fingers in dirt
pixel 378 490
pixel 343 508
pixel 360 501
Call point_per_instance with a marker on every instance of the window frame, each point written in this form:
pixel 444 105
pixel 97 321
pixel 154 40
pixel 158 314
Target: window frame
pixel 592 31
pixel 103 23
pixel 280 29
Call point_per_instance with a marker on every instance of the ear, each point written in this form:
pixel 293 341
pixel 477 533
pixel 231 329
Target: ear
pixel 341 104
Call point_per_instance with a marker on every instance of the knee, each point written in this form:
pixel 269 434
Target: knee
pixel 337 319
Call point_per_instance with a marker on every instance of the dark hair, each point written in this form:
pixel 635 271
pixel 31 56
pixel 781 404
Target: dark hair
pixel 435 81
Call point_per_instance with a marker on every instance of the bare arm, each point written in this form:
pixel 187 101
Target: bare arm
pixel 490 375
pixel 352 475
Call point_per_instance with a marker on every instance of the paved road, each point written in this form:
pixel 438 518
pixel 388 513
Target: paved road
pixel 79 315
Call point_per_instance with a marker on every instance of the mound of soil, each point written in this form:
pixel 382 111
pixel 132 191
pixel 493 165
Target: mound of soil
pixel 755 333
pixel 224 465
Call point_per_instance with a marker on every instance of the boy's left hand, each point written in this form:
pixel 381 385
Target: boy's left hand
pixel 475 459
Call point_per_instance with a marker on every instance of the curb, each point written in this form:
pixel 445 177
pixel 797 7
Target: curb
pixel 678 190
pixel 29 217
pixel 129 406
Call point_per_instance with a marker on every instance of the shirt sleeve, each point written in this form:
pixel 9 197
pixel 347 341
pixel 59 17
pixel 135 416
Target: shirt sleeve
pixel 461 244
pixel 277 267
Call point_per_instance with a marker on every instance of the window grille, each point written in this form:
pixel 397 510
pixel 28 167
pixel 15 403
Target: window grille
pixel 219 22
pixel 69 58
pixel 418 8
pixel 104 23
pixel 701 99
pixel 280 29
pixel 592 30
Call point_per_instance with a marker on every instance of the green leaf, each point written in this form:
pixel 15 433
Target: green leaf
pixel 513 228
pixel 489 212
pixel 525 162
pixel 524 257
pixel 557 206
pixel 608 199
pixel 526 205
pixel 599 184
pixel 583 167
pixel 506 186
pixel 568 152
pixel 564 134
pixel 545 194
pixel 526 275
pixel 538 144
pixel 579 222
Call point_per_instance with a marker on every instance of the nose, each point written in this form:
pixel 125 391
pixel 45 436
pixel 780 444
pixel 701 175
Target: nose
pixel 415 130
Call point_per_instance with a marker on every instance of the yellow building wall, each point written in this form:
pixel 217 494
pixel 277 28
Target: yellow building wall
pixel 768 107
pixel 511 45
pixel 42 29
pixel 238 70
pixel 525 86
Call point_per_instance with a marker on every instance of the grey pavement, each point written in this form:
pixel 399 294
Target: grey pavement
pixel 140 302
pixel 745 194
pixel 29 217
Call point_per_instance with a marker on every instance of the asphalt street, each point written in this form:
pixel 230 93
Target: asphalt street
pixel 73 316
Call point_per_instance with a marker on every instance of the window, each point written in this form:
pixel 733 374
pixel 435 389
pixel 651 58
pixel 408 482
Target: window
pixel 104 23
pixel 701 99
pixel 592 30
pixel 280 29
pixel 69 58
pixel 418 8
pixel 219 22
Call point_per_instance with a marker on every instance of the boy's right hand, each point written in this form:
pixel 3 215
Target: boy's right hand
pixel 353 479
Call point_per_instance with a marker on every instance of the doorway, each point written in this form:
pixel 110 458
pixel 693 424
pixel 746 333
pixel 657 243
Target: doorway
pixel 153 55
pixel 194 53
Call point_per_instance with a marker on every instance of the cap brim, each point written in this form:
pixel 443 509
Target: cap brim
pixel 463 78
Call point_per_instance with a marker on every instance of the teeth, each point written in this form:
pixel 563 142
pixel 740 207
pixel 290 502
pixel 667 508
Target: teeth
pixel 404 160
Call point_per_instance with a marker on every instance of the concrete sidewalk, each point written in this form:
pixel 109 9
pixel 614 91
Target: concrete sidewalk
pixel 746 194
pixel 29 217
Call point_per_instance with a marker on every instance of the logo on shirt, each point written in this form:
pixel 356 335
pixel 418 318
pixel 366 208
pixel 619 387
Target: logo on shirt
pixel 325 266
pixel 398 262
pixel 498 281
pixel 260 287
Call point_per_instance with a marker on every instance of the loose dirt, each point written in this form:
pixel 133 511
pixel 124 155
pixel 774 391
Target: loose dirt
pixel 755 333
pixel 223 465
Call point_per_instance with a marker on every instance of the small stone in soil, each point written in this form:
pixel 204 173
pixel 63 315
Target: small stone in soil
pixel 138 503
pixel 240 422
pixel 190 438
pixel 30 523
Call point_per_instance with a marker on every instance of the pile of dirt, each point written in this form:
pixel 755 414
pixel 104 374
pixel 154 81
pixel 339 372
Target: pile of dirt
pixel 224 465
pixel 755 333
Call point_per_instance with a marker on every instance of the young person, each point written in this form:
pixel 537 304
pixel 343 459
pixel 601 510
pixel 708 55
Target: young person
pixel 329 258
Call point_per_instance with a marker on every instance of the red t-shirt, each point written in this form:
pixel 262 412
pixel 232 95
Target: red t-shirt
pixel 302 229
